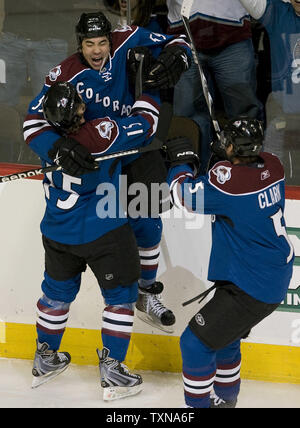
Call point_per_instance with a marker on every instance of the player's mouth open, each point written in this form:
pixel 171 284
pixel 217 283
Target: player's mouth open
pixel 97 60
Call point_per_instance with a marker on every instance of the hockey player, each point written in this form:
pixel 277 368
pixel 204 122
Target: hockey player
pixel 99 72
pixel 77 231
pixel 251 259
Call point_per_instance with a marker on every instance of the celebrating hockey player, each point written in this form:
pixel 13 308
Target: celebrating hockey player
pixel 99 71
pixel 251 259
pixel 76 232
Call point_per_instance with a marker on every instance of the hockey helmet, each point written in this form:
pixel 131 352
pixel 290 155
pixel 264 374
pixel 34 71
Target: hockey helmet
pixel 91 25
pixel 244 133
pixel 60 106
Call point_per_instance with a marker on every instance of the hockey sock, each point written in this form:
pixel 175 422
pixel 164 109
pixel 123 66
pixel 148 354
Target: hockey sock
pixel 227 381
pixel 198 370
pixel 148 232
pixel 149 265
pixel 52 321
pixel 117 324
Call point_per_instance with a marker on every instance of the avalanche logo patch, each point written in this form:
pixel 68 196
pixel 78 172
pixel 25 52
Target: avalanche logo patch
pixel 105 129
pixel 54 73
pixel 265 174
pixel 62 102
pixel 223 173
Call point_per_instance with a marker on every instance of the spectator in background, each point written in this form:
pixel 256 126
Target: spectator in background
pixel 33 40
pixel 282 22
pixel 223 39
pixel 35 36
pixel 142 13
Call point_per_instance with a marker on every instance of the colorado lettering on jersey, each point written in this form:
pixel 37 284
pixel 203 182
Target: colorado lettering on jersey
pixel 269 197
pixel 106 101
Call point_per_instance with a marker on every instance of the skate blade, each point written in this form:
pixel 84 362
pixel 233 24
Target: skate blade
pixel 116 392
pixel 145 317
pixel 40 380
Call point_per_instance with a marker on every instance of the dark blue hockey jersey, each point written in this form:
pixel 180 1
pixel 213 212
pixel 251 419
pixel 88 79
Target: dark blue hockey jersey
pixel 250 246
pixel 105 93
pixel 81 209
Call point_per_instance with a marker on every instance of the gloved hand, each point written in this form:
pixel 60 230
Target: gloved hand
pixel 180 151
pixel 74 158
pixel 133 62
pixel 169 66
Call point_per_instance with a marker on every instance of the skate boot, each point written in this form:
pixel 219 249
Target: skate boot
pixel 116 380
pixel 48 364
pixel 218 403
pixel 151 310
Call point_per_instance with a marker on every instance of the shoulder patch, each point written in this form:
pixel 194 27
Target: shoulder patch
pixel 54 73
pixel 223 173
pixel 66 71
pixel 105 129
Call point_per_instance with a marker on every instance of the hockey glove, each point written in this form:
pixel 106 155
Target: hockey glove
pixel 180 151
pixel 169 66
pixel 133 62
pixel 74 158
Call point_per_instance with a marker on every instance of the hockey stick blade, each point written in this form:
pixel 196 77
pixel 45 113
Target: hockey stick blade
pixel 165 117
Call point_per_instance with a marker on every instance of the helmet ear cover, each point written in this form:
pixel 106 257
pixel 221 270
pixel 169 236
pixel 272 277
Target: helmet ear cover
pixel 243 147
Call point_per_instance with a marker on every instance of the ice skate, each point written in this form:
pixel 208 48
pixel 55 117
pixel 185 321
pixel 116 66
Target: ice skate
pixel 151 310
pixel 116 380
pixel 218 403
pixel 47 364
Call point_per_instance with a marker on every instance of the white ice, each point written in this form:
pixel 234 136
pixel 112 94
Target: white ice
pixel 79 387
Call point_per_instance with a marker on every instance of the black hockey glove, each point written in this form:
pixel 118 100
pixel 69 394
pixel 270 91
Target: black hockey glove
pixel 133 62
pixel 180 151
pixel 169 66
pixel 74 158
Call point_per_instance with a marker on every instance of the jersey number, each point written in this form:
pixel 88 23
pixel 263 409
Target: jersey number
pixel 281 231
pixel 68 180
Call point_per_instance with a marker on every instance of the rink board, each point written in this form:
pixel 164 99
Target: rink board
pixel 274 363
pixel 272 351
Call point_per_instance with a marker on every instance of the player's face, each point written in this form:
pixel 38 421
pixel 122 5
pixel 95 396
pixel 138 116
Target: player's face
pixel 296 6
pixel 96 51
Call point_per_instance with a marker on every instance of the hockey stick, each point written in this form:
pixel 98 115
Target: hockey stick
pixel 164 121
pixel 185 15
pixel 139 77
